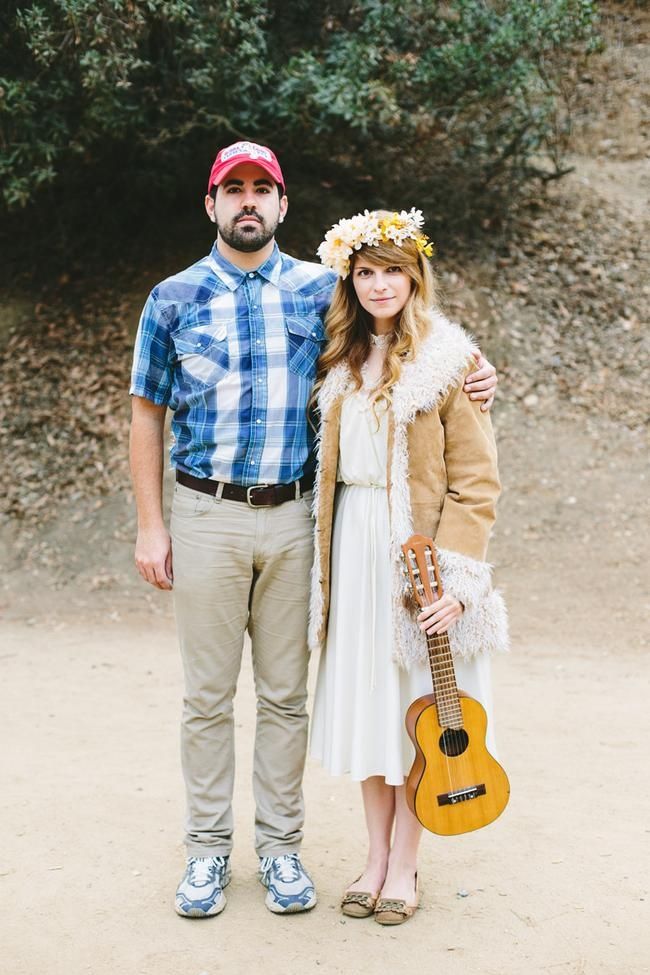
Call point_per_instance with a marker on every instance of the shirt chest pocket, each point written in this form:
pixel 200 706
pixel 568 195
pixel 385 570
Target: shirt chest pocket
pixel 305 337
pixel 202 354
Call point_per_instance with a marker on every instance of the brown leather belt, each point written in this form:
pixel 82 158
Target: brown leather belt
pixel 256 496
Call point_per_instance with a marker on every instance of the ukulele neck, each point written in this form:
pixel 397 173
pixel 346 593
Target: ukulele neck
pixel 444 681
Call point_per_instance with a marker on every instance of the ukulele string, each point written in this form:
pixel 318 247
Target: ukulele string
pixel 434 658
pixel 454 736
pixel 461 773
pixel 417 581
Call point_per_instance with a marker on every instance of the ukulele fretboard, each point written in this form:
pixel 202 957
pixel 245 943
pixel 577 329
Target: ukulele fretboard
pixel 444 681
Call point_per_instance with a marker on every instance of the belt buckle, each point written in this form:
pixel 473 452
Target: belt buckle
pixel 249 501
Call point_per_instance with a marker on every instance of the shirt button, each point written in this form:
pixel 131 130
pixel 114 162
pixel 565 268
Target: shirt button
pixel 259 380
pixel 258 421
pixel 252 462
pixel 259 341
pixel 251 274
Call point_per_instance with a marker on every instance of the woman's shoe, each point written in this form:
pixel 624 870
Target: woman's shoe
pixel 358 903
pixel 389 911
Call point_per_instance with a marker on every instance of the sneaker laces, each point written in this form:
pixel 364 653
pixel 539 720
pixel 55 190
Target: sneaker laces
pixel 288 867
pixel 202 870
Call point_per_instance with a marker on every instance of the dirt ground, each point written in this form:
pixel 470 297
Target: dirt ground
pixel 91 684
pixel 92 806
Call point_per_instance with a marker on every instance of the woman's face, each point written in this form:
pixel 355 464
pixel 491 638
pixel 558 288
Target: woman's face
pixel 382 291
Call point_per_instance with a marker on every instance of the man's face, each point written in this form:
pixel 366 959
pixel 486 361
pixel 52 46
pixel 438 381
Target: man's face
pixel 247 208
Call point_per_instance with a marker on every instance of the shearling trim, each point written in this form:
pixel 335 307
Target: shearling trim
pixel 483 627
pixel 335 384
pixel 409 642
pixel 467 579
pixel 323 499
pixel 439 364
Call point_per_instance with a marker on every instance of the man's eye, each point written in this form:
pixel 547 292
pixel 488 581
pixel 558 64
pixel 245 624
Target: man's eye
pixel 233 189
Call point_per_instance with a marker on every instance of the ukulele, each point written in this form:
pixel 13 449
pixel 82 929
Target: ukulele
pixel 455 785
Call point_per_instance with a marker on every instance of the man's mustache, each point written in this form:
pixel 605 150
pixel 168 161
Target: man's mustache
pixel 249 216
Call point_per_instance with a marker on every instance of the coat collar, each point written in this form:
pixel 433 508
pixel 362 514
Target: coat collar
pixel 439 365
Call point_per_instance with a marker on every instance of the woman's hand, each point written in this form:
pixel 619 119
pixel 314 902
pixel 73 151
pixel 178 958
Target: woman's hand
pixel 438 617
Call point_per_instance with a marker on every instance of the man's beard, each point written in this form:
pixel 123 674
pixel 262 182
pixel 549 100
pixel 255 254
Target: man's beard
pixel 247 237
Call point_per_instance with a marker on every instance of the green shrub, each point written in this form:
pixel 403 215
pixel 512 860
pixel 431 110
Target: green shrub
pixel 454 102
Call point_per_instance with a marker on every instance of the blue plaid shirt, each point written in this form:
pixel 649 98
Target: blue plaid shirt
pixel 233 353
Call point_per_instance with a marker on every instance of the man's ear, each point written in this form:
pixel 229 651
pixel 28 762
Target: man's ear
pixel 284 206
pixel 209 208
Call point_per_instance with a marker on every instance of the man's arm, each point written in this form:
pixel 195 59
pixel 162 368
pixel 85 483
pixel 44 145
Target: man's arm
pixel 482 384
pixel 153 552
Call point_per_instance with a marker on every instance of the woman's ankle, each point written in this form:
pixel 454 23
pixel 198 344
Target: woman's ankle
pixel 399 866
pixel 378 861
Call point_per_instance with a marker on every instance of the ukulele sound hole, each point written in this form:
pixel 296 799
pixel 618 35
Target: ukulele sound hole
pixel 453 741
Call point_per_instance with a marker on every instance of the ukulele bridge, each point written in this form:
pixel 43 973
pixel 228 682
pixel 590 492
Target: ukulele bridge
pixel 461 795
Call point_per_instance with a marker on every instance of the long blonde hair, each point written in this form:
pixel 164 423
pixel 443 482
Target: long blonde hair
pixel 348 325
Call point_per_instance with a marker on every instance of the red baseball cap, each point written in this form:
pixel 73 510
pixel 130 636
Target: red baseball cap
pixel 242 152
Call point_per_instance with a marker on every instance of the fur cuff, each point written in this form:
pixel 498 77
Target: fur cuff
pixel 464 578
pixel 483 627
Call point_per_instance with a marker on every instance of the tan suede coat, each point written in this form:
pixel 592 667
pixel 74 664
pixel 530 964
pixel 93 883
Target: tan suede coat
pixel 442 482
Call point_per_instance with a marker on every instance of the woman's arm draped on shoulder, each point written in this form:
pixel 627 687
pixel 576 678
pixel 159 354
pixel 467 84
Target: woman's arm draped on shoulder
pixel 467 517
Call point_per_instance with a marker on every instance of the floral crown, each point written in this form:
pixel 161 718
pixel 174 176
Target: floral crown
pixel 368 228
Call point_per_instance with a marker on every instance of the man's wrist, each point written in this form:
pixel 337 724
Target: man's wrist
pixel 151 527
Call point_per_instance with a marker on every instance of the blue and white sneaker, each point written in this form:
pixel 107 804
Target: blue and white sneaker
pixel 200 892
pixel 290 888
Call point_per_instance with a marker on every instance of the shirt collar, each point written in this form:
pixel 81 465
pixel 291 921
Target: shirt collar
pixel 233 276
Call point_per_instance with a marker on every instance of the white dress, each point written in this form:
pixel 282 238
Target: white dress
pixel 362 695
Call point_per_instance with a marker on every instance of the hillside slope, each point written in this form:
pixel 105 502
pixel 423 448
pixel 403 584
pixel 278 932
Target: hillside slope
pixel 560 304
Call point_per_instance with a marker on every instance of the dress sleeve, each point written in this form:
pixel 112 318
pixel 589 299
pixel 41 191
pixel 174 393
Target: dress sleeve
pixel 467 516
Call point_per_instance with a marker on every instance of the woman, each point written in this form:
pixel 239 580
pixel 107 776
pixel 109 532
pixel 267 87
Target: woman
pixel 402 450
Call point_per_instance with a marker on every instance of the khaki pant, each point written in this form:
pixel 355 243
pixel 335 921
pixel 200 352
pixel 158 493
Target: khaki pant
pixel 238 568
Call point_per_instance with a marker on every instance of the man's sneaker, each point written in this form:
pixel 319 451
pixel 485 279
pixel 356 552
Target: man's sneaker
pixel 200 892
pixel 290 888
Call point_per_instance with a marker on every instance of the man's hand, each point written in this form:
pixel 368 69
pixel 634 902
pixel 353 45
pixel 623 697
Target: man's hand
pixel 482 384
pixel 153 557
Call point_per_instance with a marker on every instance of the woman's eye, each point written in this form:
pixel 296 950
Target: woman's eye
pixel 395 269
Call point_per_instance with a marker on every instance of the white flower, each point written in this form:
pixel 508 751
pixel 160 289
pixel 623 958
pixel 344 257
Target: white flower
pixel 367 228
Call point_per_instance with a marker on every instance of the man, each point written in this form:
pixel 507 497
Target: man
pixel 230 345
